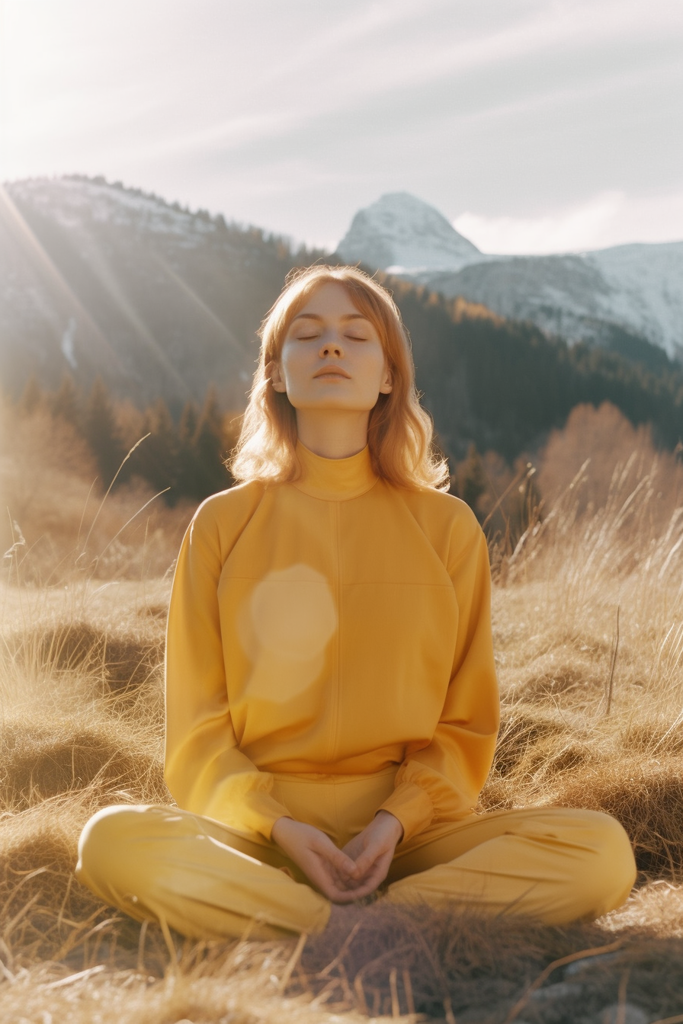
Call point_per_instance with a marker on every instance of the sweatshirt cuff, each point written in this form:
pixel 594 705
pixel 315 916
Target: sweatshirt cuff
pixel 253 811
pixel 412 806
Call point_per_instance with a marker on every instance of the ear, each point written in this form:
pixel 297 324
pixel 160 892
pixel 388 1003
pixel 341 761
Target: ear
pixel 386 385
pixel 273 371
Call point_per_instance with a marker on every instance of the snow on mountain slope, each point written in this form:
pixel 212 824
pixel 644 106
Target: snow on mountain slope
pixel 73 201
pixel 634 288
pixel 407 235
pixel 99 279
pixel 645 290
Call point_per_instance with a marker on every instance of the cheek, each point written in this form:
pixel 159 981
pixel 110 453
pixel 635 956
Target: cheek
pixel 374 365
pixel 292 361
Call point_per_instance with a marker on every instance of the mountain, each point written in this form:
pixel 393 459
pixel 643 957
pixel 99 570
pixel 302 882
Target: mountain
pixel 620 298
pixel 402 234
pixel 99 279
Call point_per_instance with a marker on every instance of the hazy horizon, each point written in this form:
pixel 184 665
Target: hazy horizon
pixel 533 126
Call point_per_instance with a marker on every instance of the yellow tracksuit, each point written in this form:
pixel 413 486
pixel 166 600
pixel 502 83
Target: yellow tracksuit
pixel 329 654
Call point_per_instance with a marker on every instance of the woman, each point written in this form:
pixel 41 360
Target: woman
pixel 332 706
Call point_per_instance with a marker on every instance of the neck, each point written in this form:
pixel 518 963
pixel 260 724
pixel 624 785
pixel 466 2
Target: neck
pixel 333 433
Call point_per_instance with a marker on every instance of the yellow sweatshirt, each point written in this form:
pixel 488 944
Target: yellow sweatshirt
pixel 336 625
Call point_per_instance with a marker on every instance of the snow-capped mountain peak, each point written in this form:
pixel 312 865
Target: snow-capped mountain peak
pixel 633 288
pixel 402 233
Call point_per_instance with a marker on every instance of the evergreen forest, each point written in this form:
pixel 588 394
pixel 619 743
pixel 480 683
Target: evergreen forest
pixel 491 385
pixel 168 346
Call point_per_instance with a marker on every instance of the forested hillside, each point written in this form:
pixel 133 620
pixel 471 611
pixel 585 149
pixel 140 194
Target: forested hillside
pixel 163 304
pixel 503 384
pixel 97 279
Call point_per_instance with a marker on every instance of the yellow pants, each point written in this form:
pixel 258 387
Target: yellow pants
pixel 208 881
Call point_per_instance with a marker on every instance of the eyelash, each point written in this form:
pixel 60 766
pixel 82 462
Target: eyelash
pixel 312 337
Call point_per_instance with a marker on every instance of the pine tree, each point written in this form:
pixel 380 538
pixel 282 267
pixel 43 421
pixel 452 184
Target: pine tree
pixel 472 479
pixel 188 475
pixel 157 458
pixel 101 432
pixel 187 428
pixel 209 448
pixel 66 402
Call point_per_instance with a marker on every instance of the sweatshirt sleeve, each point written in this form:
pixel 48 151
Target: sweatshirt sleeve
pixel 204 768
pixel 442 781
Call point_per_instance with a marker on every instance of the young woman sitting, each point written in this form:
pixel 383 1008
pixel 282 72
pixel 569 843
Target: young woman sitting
pixel 332 705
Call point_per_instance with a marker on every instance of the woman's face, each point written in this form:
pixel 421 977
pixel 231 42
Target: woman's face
pixel 332 356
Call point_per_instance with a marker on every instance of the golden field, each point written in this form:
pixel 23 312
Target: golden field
pixel 588 633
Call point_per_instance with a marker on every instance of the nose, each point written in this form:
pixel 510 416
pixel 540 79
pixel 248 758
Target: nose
pixel 331 346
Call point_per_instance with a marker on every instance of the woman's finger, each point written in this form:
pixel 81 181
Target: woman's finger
pixel 356 894
pixel 367 860
pixel 320 876
pixel 371 855
pixel 342 894
pixel 338 859
pixel 376 872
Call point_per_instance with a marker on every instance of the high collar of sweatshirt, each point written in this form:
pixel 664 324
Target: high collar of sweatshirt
pixel 334 479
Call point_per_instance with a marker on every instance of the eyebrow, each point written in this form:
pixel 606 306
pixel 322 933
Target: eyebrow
pixel 315 316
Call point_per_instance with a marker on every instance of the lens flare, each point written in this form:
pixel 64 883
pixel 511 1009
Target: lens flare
pixel 285 627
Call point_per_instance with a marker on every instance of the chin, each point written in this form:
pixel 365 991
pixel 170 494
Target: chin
pixel 322 402
pixel 331 407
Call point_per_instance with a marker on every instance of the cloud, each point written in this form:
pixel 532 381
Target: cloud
pixel 609 218
pixel 293 116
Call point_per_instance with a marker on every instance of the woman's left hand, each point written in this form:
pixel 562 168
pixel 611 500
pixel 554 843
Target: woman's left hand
pixel 373 851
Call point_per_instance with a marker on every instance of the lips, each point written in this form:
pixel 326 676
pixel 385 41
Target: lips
pixel 335 371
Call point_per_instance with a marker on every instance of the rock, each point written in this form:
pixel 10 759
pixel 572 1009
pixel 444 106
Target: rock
pixel 625 1014
pixel 589 961
pixel 562 991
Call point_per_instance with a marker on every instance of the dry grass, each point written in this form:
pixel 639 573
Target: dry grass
pixel 54 517
pixel 589 640
pixel 591 717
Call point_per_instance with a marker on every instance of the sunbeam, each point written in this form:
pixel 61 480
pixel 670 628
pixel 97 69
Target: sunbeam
pixel 17 226
pixel 197 301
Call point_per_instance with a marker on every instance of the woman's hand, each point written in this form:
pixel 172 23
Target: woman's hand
pixel 373 851
pixel 331 870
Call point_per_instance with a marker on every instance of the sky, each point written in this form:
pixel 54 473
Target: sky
pixel 533 125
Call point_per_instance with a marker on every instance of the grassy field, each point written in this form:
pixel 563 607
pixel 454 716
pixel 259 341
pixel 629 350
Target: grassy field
pixel 588 620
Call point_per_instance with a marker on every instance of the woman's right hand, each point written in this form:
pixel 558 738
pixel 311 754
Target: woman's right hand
pixel 325 865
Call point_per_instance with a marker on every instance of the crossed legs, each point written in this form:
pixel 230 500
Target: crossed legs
pixel 208 881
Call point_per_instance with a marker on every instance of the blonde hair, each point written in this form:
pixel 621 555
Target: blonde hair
pixel 400 432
